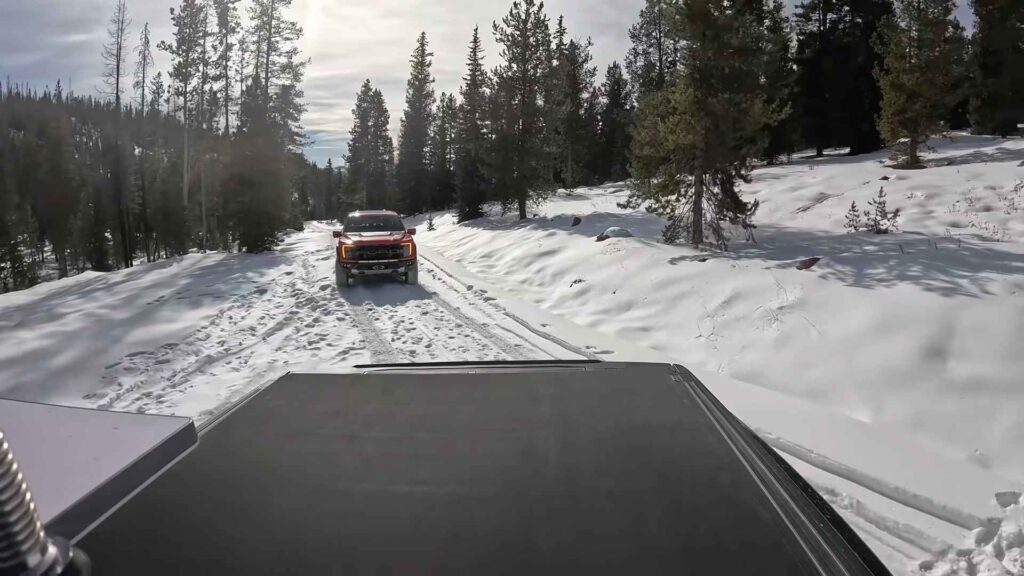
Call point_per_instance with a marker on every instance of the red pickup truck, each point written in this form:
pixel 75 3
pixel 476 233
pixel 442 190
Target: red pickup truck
pixel 375 242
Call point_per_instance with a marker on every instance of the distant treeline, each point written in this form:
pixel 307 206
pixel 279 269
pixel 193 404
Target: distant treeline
pixel 206 157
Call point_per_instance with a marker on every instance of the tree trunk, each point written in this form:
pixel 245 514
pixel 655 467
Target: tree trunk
pixel 913 159
pixel 184 163
pixel 522 207
pixel 202 188
pixel 697 211
pixel 819 150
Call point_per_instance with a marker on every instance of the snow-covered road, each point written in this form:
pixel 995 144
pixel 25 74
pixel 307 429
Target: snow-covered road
pixel 237 323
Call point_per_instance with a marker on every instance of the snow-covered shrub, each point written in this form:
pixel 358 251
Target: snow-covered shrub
pixel 430 223
pixel 853 223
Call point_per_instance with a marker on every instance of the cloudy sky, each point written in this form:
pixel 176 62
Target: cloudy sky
pixel 347 40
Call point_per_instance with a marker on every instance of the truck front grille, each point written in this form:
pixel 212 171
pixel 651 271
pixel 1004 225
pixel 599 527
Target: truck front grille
pixel 386 252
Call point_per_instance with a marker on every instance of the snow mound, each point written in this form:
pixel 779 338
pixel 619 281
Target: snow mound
pixel 994 549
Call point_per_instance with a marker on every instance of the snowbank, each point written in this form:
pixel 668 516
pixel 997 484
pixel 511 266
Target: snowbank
pixel 921 329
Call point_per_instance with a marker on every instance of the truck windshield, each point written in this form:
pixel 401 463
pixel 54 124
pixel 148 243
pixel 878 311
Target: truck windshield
pixel 374 223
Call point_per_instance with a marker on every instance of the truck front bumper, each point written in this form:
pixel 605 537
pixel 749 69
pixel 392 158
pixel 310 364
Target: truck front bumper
pixel 378 267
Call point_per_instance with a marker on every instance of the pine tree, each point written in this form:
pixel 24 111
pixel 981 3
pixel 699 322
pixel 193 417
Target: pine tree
pixel 654 54
pixel 817 27
pixel 186 55
pixel 958 115
pixel 258 175
pixel 916 76
pixel 157 91
pixel 879 219
pixel 616 116
pixel 471 139
pixel 442 154
pixel 228 24
pixel 518 160
pixel 857 98
pixel 694 141
pixel 779 81
pixel 115 54
pixel 997 63
pixel 853 223
pixel 573 77
pixel 370 159
pixel 143 65
pixel 413 170
pixel 275 48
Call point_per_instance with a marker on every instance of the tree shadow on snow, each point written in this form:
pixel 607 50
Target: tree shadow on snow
pixel 863 260
pixel 639 223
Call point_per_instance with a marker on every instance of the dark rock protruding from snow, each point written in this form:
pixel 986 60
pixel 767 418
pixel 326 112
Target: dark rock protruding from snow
pixel 1008 498
pixel 614 232
pixel 576 221
pixel 807 263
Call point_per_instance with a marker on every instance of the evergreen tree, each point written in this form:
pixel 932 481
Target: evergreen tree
pixel 442 154
pixel 518 161
pixel 413 171
pixel 853 223
pixel 654 54
pixel 836 98
pixel 115 54
pixel 258 179
pixel 471 138
pixel 997 64
pixel 572 137
pixel 917 75
pixel 371 156
pixel 858 99
pixel 693 141
pixel 275 51
pixel 958 115
pixel 228 25
pixel 616 116
pixel 186 56
pixel 143 66
pixel 779 81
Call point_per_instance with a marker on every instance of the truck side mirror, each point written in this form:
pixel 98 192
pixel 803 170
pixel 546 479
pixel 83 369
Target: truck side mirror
pixel 337 233
pixel 411 231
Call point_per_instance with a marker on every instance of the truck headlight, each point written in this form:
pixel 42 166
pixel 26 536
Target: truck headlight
pixel 408 249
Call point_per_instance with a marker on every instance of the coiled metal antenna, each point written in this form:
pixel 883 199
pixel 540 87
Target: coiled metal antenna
pixel 25 550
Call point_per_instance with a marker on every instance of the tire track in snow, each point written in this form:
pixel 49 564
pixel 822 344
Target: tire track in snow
pixel 511 350
pixel 381 351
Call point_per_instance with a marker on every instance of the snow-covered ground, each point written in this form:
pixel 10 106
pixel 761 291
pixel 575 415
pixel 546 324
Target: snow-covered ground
pixel 889 374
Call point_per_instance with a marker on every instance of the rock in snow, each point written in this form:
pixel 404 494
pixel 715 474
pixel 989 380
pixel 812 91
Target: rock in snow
pixel 807 263
pixel 576 221
pixel 614 232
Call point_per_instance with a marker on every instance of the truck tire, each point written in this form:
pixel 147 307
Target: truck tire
pixel 412 274
pixel 341 276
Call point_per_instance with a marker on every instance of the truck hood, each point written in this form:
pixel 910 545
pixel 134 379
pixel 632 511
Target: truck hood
pixel 360 237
